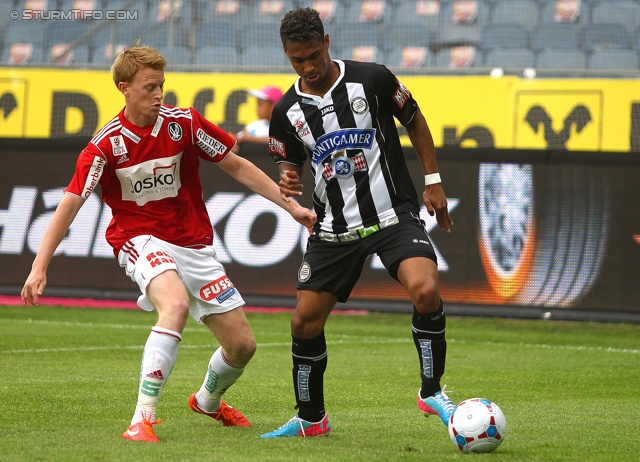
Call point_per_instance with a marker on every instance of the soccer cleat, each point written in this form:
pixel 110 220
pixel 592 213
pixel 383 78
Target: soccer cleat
pixel 298 427
pixel 228 416
pixel 142 431
pixel 439 404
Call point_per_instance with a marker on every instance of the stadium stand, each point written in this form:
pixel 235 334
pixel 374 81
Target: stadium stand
pixel 512 58
pixel 418 35
pixel 561 59
pixel 554 36
pixel 625 12
pixel 216 56
pixel 503 35
pixel 603 36
pixel 462 20
pixel 408 57
pixel 524 12
pixel 613 59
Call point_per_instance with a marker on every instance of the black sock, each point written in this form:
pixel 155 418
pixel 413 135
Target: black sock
pixel 309 363
pixel 429 338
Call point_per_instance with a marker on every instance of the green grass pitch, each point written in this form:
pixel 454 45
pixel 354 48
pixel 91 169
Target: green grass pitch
pixel 68 384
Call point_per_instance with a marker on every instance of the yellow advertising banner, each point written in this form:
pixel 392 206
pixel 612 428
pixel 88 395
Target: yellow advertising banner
pixel 480 111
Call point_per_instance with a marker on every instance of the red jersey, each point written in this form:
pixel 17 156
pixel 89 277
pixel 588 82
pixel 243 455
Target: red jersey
pixel 149 176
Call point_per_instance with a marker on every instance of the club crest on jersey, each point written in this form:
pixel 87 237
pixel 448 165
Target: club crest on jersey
pixel 221 289
pixel 343 167
pixel 359 105
pixel 118 146
pixel 175 131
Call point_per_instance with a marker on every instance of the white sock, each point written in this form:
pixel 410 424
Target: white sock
pixel 158 359
pixel 220 376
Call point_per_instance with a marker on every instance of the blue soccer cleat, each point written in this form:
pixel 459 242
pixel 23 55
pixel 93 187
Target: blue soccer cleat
pixel 439 404
pixel 298 427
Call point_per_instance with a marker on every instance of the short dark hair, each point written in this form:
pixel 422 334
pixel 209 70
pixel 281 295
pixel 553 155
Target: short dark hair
pixel 301 25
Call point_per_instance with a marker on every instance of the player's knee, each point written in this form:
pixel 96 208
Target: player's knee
pixel 306 327
pixel 425 297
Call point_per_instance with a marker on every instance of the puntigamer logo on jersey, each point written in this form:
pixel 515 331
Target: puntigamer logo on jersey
pixel 209 144
pixel 349 138
pixel 150 181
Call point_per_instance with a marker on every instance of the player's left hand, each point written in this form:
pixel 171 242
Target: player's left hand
pixel 436 203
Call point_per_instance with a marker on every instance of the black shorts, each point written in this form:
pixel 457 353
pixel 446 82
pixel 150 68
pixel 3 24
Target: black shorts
pixel 336 266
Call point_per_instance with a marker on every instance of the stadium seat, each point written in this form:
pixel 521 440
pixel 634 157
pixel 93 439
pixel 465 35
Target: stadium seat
pixel 525 12
pixel 557 59
pixel 603 36
pixel 216 32
pixel 216 56
pixel 235 11
pixel 458 57
pixel 263 55
pixel 411 12
pixel 270 11
pixel 363 53
pixel 260 34
pixel 636 39
pixel 163 35
pixel 22 54
pixel 461 21
pixel 624 12
pixel 612 60
pixel 351 35
pixel 365 11
pixel 77 56
pixel 331 11
pixel 405 35
pixel 503 35
pixel 28 31
pixel 408 57
pixel 68 32
pixel 554 36
pixel 564 12
pixel 176 56
pixel 164 11
pixel 514 58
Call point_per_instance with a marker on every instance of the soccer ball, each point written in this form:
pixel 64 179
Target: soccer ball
pixel 477 425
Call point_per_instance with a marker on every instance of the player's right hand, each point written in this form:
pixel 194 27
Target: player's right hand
pixel 33 288
pixel 289 184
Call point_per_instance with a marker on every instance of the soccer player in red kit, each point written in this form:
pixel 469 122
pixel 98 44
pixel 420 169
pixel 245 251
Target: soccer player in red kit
pixel 146 162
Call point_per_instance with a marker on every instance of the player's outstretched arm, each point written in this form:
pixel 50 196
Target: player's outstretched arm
pixel 56 231
pixel 433 196
pixel 252 177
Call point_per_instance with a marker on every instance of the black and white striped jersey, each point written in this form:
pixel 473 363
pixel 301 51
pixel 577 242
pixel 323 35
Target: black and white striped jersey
pixel 350 136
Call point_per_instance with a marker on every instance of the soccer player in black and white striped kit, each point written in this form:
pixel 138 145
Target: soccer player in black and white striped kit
pixel 340 115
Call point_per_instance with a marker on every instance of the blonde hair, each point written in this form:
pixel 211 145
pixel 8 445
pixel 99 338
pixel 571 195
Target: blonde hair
pixel 132 60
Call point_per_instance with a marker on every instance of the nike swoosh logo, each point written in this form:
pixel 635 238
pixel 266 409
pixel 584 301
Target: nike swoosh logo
pixel 130 433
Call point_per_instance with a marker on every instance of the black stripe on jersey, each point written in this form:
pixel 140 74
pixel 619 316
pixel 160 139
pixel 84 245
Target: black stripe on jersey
pixel 345 117
pixel 315 121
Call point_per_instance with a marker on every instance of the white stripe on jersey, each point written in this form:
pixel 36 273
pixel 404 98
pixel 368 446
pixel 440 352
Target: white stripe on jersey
pixel 111 126
pixel 175 112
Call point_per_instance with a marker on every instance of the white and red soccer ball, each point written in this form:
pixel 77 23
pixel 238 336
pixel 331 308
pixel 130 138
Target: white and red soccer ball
pixel 477 425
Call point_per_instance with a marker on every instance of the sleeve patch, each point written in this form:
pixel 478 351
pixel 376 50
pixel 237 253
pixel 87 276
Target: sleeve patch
pixel 209 144
pixel 402 95
pixel 276 147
